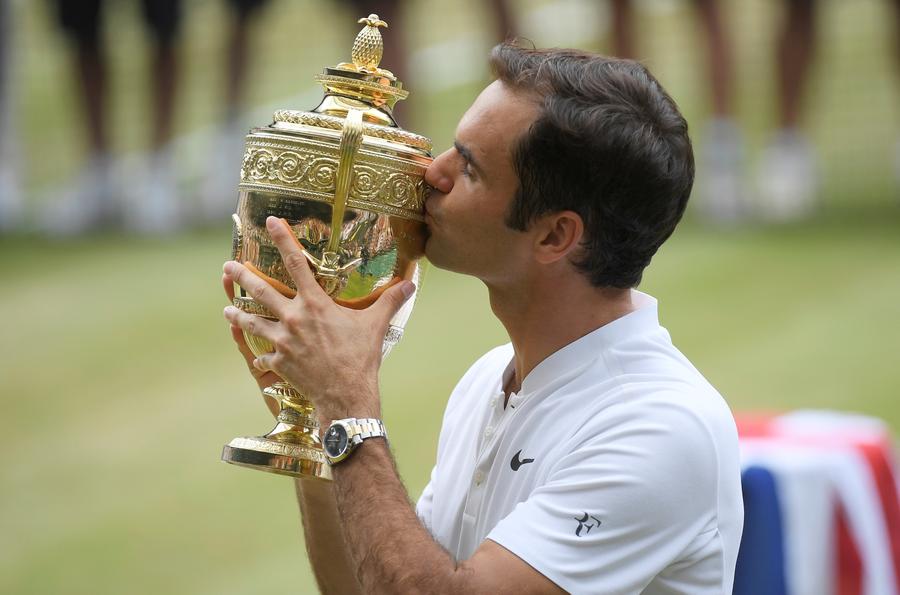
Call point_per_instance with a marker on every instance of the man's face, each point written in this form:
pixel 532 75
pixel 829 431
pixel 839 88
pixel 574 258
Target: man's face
pixel 474 184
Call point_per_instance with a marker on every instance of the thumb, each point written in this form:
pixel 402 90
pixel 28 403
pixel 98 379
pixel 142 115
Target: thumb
pixel 390 302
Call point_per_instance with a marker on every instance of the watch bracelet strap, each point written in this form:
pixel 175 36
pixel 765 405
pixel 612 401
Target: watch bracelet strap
pixel 367 428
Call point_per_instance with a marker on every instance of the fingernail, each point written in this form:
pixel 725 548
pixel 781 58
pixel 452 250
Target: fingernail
pixel 227 267
pixel 229 311
pixel 408 289
pixel 271 222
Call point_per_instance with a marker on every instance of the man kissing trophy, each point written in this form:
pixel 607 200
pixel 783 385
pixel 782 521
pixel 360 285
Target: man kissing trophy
pixel 348 181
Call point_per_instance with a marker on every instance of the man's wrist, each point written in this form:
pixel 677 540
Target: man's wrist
pixel 371 454
pixel 327 417
pixel 364 403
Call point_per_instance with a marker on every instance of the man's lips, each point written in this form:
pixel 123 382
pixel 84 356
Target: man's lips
pixel 429 218
pixel 432 200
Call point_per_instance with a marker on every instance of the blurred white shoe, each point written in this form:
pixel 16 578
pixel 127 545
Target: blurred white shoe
pixel 154 207
pixel 788 178
pixel 722 198
pixel 218 196
pixel 89 205
pixel 12 208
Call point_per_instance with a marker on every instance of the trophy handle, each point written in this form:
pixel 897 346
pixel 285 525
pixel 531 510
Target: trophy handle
pixel 331 273
pixel 351 139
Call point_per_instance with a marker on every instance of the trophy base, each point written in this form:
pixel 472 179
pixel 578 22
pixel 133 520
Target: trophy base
pixel 273 456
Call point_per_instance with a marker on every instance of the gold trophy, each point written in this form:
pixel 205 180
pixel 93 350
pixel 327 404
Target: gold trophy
pixel 350 183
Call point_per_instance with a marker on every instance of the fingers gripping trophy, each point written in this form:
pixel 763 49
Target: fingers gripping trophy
pixel 350 184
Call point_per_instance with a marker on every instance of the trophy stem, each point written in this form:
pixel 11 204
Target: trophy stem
pixel 292 447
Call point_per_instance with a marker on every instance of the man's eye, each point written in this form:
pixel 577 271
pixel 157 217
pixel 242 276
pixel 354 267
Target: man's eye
pixel 464 170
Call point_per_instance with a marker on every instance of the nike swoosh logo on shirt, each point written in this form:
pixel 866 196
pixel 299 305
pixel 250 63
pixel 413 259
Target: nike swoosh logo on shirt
pixel 516 462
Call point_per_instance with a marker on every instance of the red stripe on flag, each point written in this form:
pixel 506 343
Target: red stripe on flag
pixel 877 455
pixel 849 563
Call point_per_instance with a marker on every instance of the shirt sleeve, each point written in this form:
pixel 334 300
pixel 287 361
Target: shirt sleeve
pixel 622 506
pixel 425 503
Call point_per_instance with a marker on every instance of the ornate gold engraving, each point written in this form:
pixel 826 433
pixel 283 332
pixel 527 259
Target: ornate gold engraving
pixel 396 135
pixel 394 334
pixel 237 237
pixel 251 306
pixel 278 448
pixel 371 185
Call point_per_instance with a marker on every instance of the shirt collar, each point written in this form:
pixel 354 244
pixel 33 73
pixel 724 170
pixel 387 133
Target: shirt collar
pixel 572 358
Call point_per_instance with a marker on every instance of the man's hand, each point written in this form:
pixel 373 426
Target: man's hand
pixel 264 379
pixel 330 353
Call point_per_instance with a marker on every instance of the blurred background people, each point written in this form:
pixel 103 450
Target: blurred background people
pixel 720 161
pixel 98 200
pixel 11 199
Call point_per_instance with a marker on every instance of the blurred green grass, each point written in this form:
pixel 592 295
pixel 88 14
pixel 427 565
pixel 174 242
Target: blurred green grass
pixel 120 384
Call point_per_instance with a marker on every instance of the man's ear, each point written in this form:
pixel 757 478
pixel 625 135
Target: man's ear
pixel 558 235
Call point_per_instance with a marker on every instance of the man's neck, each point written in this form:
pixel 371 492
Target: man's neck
pixel 546 316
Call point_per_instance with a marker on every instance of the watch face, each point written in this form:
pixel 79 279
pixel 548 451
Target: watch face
pixel 335 440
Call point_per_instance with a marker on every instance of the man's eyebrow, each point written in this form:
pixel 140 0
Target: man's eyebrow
pixel 467 155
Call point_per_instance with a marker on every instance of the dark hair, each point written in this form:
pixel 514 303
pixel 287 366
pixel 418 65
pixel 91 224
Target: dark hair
pixel 610 145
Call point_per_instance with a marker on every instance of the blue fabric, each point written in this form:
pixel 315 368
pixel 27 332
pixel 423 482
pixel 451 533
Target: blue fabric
pixel 760 564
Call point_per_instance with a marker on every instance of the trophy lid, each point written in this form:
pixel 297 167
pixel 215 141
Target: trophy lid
pixel 360 84
pixel 348 152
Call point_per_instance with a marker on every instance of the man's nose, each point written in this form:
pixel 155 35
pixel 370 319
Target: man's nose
pixel 436 174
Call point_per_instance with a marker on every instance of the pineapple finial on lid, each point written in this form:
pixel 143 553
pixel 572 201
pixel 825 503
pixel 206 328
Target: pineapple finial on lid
pixel 362 79
pixel 368 46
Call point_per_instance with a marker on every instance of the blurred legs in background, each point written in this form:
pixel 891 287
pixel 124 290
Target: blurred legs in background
pixel 623 28
pixel 720 161
pixel 218 194
pixel 11 202
pixel 91 202
pixel 157 209
pixel 896 4
pixel 504 22
pixel 788 176
pixel 96 201
pixel 720 171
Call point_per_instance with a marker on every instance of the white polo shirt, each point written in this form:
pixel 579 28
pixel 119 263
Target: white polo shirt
pixel 615 469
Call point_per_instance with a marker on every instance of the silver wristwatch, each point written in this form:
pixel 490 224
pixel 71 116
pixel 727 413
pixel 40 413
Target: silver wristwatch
pixel 344 435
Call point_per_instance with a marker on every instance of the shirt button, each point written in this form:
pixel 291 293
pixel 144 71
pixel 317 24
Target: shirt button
pixel 479 477
pixel 488 432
